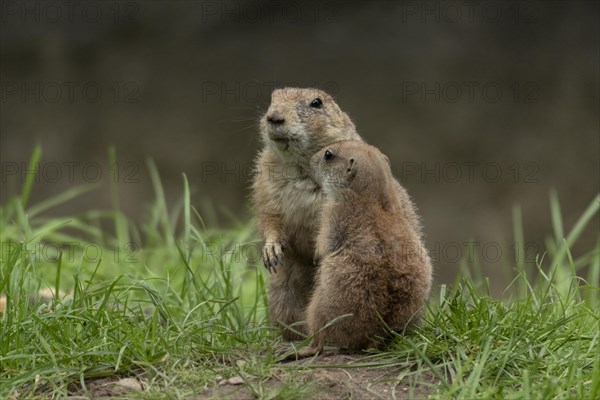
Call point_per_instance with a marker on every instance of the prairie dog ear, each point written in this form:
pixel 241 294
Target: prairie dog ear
pixel 351 167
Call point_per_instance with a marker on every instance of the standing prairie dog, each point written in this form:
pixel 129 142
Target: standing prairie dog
pixel 287 200
pixel 374 272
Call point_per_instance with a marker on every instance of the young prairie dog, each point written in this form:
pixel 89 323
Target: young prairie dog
pixel 374 272
pixel 287 200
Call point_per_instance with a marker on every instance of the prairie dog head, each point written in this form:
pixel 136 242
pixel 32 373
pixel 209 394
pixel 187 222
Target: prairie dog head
pixel 301 121
pixel 356 166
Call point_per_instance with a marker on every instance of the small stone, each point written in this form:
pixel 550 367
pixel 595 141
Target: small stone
pixel 130 383
pixel 235 380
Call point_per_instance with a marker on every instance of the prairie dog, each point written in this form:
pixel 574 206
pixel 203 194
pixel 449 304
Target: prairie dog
pixel 287 200
pixel 374 271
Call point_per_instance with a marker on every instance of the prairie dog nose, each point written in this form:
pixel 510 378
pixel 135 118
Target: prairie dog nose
pixel 275 119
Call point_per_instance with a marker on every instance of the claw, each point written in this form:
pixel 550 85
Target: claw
pixel 266 261
pixel 274 257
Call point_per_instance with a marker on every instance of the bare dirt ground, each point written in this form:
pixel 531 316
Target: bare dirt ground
pixel 335 376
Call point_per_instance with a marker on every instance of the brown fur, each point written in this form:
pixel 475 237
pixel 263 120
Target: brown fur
pixel 373 265
pixel 286 199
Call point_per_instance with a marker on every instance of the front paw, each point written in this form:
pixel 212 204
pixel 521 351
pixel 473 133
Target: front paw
pixel 273 254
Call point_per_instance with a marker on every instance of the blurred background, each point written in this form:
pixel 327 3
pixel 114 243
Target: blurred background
pixel 479 105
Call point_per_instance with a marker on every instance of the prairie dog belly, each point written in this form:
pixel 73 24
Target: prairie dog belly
pixel 301 201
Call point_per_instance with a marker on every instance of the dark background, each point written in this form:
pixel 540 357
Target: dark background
pixel 479 106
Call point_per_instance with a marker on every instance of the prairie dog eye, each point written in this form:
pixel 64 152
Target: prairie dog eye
pixel 316 103
pixel 328 154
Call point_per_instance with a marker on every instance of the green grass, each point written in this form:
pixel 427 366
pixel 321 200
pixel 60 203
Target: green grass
pixel 186 304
